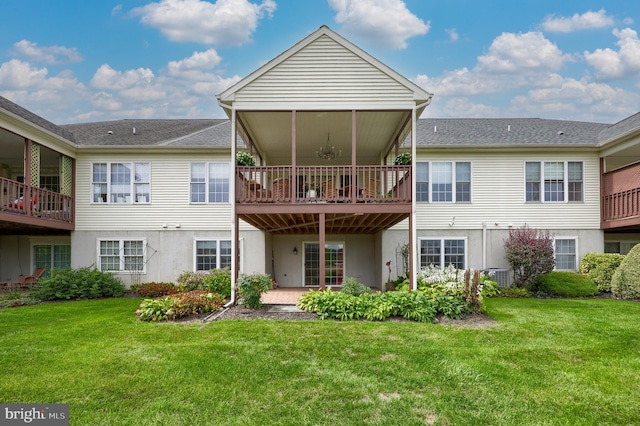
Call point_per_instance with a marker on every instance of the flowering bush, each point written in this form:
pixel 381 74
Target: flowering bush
pixel 243 158
pixel 311 186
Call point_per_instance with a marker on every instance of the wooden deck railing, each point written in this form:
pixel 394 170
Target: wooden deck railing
pixel 280 184
pixel 22 199
pixel 621 193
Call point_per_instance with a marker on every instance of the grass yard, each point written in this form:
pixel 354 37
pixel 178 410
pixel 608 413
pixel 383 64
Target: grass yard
pixel 545 362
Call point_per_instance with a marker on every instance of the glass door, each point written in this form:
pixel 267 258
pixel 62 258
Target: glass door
pixel 333 263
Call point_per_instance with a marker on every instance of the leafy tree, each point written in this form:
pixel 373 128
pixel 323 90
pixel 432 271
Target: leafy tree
pixel 530 253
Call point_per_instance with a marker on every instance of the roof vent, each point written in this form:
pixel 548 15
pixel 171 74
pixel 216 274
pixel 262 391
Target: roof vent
pixel 110 132
pixel 134 130
pixel 560 132
pixel 508 127
pixel 435 129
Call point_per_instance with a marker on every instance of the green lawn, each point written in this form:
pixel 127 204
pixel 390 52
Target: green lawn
pixel 565 362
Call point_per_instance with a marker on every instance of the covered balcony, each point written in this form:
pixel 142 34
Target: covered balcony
pixel 621 198
pixel 36 187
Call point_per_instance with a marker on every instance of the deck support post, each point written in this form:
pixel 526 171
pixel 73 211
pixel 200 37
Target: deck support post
pixel 322 238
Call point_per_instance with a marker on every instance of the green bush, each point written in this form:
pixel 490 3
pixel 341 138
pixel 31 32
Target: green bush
pixel 625 283
pixel 374 307
pixel 179 305
pixel 218 281
pixel 600 267
pixel 351 286
pixel 189 280
pixel 250 289
pixel 154 289
pixel 565 284
pixel 80 283
pixel 515 292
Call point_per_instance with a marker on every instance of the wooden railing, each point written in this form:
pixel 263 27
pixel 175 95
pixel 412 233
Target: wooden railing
pixel 22 199
pixel 621 193
pixel 280 184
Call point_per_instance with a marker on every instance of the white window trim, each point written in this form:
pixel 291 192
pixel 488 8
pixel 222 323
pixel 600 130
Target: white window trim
pixel 565 180
pixel 442 240
pixel 206 182
pixel 132 187
pixel 121 254
pixel 217 240
pixel 577 254
pixel 453 182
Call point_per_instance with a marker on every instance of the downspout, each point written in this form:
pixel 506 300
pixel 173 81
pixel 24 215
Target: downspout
pixel 484 245
pixel 232 197
pixel 412 223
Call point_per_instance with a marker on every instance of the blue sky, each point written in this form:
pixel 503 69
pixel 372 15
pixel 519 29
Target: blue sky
pixel 78 60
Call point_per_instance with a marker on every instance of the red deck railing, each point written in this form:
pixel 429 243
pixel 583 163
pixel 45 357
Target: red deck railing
pixel 26 200
pixel 621 193
pixel 279 184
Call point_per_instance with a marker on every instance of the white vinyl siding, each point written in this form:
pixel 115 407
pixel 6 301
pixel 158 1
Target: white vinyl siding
pixel 169 193
pixel 324 74
pixel 498 198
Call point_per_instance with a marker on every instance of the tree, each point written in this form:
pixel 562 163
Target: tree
pixel 530 253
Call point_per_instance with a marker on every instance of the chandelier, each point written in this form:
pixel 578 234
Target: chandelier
pixel 328 152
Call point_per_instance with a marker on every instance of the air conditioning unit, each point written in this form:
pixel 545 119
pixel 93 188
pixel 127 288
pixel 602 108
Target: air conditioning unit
pixel 501 276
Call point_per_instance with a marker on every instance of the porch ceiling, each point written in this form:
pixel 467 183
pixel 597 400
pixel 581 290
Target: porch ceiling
pixel 375 131
pixel 8 227
pixel 335 223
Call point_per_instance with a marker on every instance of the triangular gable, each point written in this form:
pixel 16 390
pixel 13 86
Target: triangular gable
pixel 324 70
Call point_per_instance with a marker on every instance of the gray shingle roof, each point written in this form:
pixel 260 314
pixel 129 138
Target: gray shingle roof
pixel 620 128
pixel 507 132
pixel 16 109
pixel 147 132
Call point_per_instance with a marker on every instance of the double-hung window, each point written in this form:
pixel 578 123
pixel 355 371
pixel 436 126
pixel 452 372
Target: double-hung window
pixel 212 254
pixel 566 254
pixel 554 181
pixel 121 255
pixel 443 181
pixel 121 183
pixel 442 252
pixel 210 182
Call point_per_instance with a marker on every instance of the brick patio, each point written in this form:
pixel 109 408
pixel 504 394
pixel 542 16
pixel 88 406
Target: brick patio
pixel 283 296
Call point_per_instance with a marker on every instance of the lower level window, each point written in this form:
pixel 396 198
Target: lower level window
pixel 566 254
pixel 443 252
pixel 121 255
pixel 213 254
pixel 618 247
pixel 51 256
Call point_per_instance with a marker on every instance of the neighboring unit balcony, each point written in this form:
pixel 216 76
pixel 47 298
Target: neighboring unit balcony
pixel 621 198
pixel 323 184
pixel 25 205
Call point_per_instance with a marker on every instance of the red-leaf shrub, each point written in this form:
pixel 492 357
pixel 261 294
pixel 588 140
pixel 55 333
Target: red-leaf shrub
pixel 530 253
pixel 156 289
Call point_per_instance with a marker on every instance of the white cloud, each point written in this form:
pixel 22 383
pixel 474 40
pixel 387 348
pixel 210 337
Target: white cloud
pixel 517 53
pixel 609 64
pixel 107 78
pixel 16 74
pixel 453 34
pixel 46 54
pixel 197 62
pixel 226 22
pixel 588 20
pixel 386 23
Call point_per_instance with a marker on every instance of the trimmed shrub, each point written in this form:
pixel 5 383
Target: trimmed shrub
pixel 179 305
pixel 625 283
pixel 250 289
pixel 515 292
pixel 190 280
pixel 351 286
pixel 600 267
pixel 529 253
pixel 565 284
pixel 155 289
pixel 80 283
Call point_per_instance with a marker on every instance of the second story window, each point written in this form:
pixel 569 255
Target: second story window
pixel 209 182
pixel 121 183
pixel 553 181
pixel 443 181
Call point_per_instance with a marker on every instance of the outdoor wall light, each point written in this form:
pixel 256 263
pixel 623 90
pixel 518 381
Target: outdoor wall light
pixel 164 225
pixel 295 250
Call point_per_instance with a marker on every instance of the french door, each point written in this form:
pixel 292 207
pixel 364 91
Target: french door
pixel 333 264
